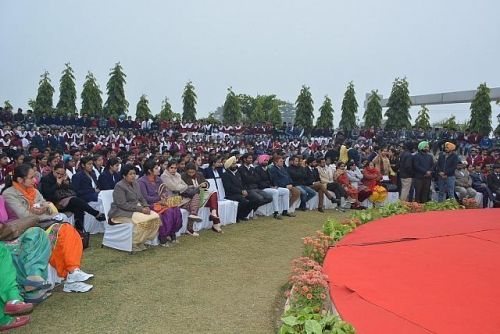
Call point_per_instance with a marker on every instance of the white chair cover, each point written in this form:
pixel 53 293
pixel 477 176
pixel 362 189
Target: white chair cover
pixel 117 236
pixel 92 225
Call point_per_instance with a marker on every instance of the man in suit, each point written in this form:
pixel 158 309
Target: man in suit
pixel 493 181
pixel 250 181
pixel 235 191
pixel 423 165
pixel 280 178
pixel 313 181
pixel 299 180
pixel 479 183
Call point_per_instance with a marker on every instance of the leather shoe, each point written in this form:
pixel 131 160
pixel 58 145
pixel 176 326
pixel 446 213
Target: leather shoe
pixel 15 323
pixel 17 308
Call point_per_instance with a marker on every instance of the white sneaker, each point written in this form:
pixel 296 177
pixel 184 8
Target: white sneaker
pixel 77 287
pixel 78 275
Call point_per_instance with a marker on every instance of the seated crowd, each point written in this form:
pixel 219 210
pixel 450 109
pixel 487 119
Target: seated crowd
pixel 43 187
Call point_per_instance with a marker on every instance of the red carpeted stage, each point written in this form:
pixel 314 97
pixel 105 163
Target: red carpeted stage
pixel 433 272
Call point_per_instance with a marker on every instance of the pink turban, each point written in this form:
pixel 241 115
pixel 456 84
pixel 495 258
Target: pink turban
pixel 262 158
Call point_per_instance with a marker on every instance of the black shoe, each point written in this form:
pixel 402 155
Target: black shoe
pixel 100 217
pixel 302 209
pixel 245 219
pixel 277 216
pixel 321 210
pixel 288 214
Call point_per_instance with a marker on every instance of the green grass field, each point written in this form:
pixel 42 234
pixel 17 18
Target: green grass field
pixel 228 283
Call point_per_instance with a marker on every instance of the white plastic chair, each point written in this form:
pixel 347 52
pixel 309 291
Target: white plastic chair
pixel 91 224
pixel 228 209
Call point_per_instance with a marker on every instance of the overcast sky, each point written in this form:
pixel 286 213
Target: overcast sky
pixel 257 47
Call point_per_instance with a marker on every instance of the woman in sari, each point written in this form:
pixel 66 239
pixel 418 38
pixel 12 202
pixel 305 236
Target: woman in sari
pixel 129 206
pixel 170 214
pixel 11 302
pixel 30 250
pixel 190 196
pixel 23 200
pixel 371 176
pixel 195 179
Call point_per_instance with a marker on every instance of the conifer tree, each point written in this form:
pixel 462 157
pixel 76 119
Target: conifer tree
pixel 91 97
pixel 43 101
pixel 189 103
pixel 304 112
pixel 258 116
pixel 231 113
pixel 373 112
pixel 142 110
pixel 67 92
pixel 7 105
pixel 349 109
pixel 116 103
pixel 423 120
pixel 398 113
pixel 480 111
pixel 325 120
pixel 166 113
pixel 275 115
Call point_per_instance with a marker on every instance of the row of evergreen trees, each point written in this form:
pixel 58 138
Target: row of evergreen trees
pixel 115 105
pixel 245 108
pixel 397 114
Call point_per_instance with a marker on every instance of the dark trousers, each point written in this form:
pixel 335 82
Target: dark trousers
pixel 260 197
pixel 422 189
pixel 78 206
pixel 337 189
pixel 245 205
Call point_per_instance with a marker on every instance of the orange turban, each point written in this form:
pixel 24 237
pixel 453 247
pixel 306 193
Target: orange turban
pixel 449 146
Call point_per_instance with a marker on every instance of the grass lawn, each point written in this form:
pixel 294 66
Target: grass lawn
pixel 226 283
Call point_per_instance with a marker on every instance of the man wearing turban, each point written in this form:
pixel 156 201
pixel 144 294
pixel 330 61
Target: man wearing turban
pixel 446 166
pixel 423 165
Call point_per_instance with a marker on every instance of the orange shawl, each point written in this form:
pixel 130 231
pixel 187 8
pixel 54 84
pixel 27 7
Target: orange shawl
pixel 28 193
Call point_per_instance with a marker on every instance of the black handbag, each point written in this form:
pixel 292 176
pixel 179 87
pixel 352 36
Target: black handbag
pixel 190 192
pixel 390 187
pixel 62 193
pixel 85 238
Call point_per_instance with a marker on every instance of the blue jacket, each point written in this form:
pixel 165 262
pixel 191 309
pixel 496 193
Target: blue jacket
pixel 208 172
pixel 279 176
pixel 83 186
pixel 107 181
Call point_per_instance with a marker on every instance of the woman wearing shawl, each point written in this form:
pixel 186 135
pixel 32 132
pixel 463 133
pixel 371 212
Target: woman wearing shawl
pixel 190 196
pixel 130 207
pixel 170 214
pixel 30 250
pixel 371 176
pixel 11 302
pixel 342 178
pixel 24 200
pixel 195 179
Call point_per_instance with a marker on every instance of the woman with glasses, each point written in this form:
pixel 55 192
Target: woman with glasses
pixel 56 188
pixel 170 214
pixel 190 197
